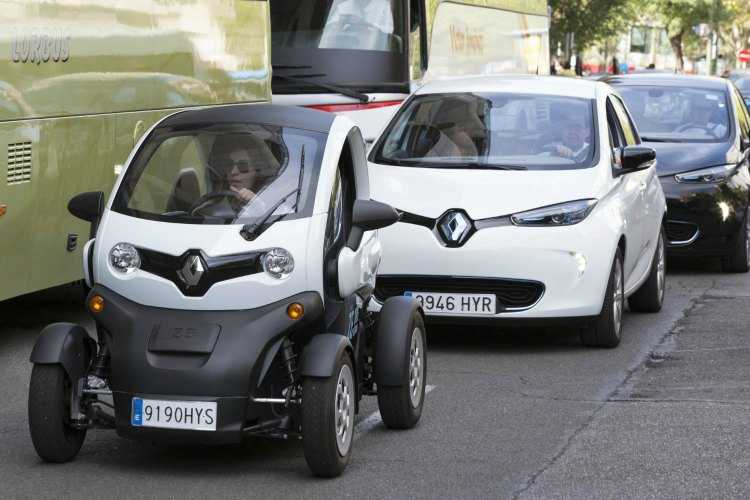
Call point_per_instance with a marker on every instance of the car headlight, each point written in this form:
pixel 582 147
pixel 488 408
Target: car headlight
pixel 562 214
pixel 707 175
pixel 124 258
pixel 278 263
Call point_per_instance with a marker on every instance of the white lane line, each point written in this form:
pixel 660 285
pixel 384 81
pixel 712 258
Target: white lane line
pixel 375 419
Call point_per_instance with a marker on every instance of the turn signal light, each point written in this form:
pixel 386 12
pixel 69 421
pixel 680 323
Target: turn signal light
pixel 96 304
pixel 3 209
pixel 295 310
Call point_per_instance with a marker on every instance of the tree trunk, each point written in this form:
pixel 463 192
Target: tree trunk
pixel 676 43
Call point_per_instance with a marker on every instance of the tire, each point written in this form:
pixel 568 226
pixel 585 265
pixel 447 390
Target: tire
pixel 49 414
pixel 650 296
pixel 737 262
pixel 401 407
pixel 606 329
pixel 328 406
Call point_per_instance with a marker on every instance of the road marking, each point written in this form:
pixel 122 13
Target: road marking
pixel 375 419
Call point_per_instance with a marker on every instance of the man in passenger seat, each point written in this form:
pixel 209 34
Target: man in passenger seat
pixel 458 125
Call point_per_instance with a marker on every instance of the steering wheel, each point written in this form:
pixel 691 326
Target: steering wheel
pixel 688 126
pixel 203 200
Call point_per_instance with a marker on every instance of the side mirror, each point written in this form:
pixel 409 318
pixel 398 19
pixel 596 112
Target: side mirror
pixel 635 158
pixel 369 215
pixel 89 207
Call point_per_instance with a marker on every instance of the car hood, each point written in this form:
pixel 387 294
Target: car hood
pixel 676 157
pixel 481 193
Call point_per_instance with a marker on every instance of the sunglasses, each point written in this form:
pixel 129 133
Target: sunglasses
pixel 243 166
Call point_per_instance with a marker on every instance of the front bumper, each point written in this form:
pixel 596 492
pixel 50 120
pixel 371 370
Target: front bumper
pixel 704 220
pixel 185 355
pixel 572 264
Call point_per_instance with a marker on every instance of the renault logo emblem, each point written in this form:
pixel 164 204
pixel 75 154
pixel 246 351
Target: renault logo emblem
pixel 192 270
pixel 454 227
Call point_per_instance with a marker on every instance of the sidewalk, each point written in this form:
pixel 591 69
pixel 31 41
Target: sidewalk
pixel 679 427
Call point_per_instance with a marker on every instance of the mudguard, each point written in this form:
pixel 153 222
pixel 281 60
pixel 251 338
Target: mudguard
pixel 66 344
pixel 392 341
pixel 322 353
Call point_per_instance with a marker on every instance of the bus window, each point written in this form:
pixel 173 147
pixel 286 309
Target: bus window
pixel 338 24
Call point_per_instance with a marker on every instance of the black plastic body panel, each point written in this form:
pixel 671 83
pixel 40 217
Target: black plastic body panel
pixel 66 344
pixel 393 341
pixel 230 373
pixel 321 354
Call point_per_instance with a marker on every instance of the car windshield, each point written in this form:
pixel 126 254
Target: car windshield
pixel 337 24
pixel 491 130
pixel 678 114
pixel 743 84
pixel 224 174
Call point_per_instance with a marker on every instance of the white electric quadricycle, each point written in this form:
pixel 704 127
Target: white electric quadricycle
pixel 230 277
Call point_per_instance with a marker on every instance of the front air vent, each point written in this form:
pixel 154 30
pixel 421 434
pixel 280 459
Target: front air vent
pixel 19 162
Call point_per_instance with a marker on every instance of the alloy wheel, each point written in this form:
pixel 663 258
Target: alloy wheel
pixel 416 367
pixel 618 297
pixel 344 407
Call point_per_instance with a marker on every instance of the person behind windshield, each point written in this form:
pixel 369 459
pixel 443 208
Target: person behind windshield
pixel 703 118
pixel 374 13
pixel 232 166
pixel 574 143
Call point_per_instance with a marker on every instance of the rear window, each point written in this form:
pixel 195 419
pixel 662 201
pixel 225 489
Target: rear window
pixel 491 130
pixel 224 174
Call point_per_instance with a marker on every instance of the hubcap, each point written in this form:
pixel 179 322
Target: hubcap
pixel 416 367
pixel 661 269
pixel 618 297
pixel 344 407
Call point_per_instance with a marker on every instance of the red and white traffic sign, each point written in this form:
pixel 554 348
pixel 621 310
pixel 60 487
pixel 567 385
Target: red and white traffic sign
pixel 744 55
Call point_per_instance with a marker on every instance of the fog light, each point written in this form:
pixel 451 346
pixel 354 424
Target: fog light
pixel 580 262
pixel 96 304
pixel 295 310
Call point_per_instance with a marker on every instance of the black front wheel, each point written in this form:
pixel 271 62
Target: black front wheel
pixel 739 260
pixel 50 395
pixel 328 410
pixel 650 296
pixel 401 406
pixel 606 329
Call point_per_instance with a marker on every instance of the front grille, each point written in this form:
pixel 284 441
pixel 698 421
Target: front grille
pixel 19 163
pixel 510 293
pixel 681 233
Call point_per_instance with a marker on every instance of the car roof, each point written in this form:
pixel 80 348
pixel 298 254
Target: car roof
pixel 668 80
pixel 519 84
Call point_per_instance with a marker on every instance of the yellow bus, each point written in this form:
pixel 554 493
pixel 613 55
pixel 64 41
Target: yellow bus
pixel 80 82
pixel 363 57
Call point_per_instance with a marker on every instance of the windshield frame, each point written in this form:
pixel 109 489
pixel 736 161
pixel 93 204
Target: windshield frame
pixel 376 153
pixel 141 160
pixel 661 138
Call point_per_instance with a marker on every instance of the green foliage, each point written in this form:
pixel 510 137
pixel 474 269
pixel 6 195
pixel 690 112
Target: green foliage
pixel 591 21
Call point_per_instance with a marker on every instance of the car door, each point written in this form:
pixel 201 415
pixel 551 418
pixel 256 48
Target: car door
pixel 631 188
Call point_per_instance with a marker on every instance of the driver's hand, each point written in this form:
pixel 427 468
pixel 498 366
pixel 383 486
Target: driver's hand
pixel 244 193
pixel 563 151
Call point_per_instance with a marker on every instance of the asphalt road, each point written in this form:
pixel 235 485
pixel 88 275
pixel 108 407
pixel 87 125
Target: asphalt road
pixel 510 414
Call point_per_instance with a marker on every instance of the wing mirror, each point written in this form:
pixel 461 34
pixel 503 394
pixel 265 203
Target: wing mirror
pixel 369 215
pixel 635 158
pixel 89 207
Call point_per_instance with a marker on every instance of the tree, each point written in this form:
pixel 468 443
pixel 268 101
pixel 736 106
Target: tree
pixel 736 26
pixel 679 17
pixel 589 21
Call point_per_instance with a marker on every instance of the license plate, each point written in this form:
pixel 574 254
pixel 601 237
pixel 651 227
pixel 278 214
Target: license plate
pixel 455 303
pixel 191 415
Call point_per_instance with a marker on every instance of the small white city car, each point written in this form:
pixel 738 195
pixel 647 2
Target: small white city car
pixel 521 199
pixel 230 278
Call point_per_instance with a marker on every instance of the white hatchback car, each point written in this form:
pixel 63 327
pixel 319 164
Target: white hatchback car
pixel 521 198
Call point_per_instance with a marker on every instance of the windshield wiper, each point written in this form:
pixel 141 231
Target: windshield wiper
pixel 249 231
pixel 658 139
pixel 494 166
pixel 300 79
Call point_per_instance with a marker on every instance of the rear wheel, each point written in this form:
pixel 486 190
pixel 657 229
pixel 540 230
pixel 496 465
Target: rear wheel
pixel 328 406
pixel 401 407
pixel 50 395
pixel 606 329
pixel 739 260
pixel 650 296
